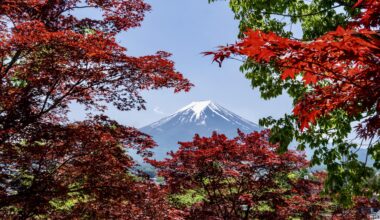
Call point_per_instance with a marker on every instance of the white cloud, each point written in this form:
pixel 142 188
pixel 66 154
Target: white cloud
pixel 157 110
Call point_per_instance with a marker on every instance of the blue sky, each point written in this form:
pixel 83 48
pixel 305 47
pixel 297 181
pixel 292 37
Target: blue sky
pixel 185 29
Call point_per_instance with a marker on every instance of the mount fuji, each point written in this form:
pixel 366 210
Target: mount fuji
pixel 201 118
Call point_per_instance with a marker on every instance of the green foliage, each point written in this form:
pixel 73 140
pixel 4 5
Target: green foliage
pixel 328 138
pixel 63 205
pixel 187 199
pixel 316 17
pixel 19 83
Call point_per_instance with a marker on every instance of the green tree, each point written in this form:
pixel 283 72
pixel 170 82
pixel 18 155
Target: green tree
pixel 329 135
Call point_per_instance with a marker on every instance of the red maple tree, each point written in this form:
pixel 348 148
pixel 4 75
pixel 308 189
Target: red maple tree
pixel 49 59
pixel 245 178
pixel 241 178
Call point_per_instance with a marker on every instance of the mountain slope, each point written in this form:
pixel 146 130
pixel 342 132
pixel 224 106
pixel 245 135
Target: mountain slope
pixel 202 118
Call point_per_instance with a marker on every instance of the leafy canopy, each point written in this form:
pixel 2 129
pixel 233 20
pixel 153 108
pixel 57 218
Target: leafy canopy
pixel 49 58
pixel 331 73
pixel 245 178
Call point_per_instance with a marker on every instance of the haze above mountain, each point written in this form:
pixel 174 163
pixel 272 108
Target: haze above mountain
pixel 201 118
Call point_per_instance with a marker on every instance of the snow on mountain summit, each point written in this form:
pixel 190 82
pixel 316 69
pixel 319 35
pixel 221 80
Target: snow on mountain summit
pixel 201 117
pixel 197 107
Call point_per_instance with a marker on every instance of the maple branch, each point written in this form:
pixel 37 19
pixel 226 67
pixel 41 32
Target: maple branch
pixel 360 146
pixel 302 15
pixel 348 5
pixel 210 197
pixel 240 60
pixel 77 7
pixel 49 93
pixel 369 147
pixel 59 100
pixel 65 162
pixel 13 61
pixel 2 64
pixel 338 77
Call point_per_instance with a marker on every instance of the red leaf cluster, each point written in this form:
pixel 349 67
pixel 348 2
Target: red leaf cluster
pixel 370 17
pixel 238 177
pixel 341 69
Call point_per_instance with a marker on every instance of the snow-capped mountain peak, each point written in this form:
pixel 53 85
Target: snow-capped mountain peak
pixel 198 108
pixel 201 117
pixel 203 113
